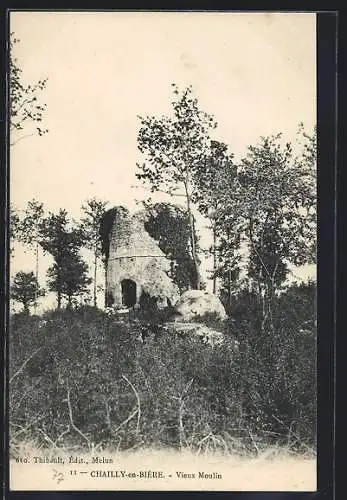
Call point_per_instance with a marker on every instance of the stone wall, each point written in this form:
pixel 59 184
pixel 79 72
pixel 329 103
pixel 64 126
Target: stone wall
pixel 136 267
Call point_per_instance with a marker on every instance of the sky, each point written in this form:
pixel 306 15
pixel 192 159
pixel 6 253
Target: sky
pixel 256 73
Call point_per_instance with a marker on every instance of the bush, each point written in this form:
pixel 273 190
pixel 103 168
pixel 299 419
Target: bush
pixel 128 383
pixel 279 365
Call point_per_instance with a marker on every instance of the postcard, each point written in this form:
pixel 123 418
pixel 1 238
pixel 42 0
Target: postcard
pixel 163 189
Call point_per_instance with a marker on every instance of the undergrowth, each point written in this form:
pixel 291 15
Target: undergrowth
pixel 82 379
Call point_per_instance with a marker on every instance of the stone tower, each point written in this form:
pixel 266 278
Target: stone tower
pixel 136 270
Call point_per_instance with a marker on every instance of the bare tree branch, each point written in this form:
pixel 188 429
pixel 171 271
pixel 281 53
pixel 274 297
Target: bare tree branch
pixel 138 403
pixel 24 365
pixel 20 138
pixel 71 416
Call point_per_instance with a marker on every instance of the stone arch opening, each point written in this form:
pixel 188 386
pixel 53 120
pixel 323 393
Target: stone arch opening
pixel 129 293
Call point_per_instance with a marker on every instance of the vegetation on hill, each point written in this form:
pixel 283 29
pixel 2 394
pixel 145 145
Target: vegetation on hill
pixel 81 378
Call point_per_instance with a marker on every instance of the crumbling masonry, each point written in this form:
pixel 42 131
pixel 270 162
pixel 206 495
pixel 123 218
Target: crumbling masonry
pixel 136 268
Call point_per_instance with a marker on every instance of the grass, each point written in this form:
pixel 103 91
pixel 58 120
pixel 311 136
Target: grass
pixel 84 383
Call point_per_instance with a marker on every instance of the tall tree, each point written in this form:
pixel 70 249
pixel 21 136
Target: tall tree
pixel 273 206
pixel 93 211
pixel 25 289
pixel 229 257
pixel 168 224
pixel 216 175
pixel 14 227
pixel 30 229
pixel 71 279
pixel 175 147
pixel 63 240
pixel 25 110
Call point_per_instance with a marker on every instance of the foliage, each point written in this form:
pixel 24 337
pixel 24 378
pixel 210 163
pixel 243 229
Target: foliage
pixel 281 194
pixel 168 224
pixel 14 226
pixel 272 207
pixel 281 362
pixel 93 211
pixel 94 379
pixel 30 226
pixel 25 289
pixel 218 171
pixel 266 264
pixel 25 109
pixel 213 180
pixel 29 230
pixel 63 240
pixel 60 235
pixel 71 279
pixel 175 146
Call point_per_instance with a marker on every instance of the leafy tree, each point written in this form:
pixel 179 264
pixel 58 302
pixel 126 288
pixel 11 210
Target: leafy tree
pixel 266 264
pixel 30 229
pixel 175 147
pixel 25 289
pixel 14 226
pixel 168 224
pixel 63 240
pixel 25 109
pixel 216 175
pixel 273 207
pixel 93 211
pixel 70 280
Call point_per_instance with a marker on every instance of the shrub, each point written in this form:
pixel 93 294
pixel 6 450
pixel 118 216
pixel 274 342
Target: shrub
pixel 279 366
pixel 82 377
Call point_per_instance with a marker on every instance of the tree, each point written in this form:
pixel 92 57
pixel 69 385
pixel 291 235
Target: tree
pixel 228 256
pixel 14 226
pixel 168 224
pixel 71 279
pixel 93 211
pixel 267 260
pixel 175 147
pixel 25 110
pixel 25 289
pixel 63 240
pixel 273 206
pixel 30 229
pixel 217 174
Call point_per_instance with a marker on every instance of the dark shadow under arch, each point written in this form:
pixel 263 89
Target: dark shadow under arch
pixel 129 293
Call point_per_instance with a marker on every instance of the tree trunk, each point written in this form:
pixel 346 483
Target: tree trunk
pixel 194 253
pixel 106 291
pixel 59 299
pixel 229 289
pixel 95 271
pixel 36 274
pixel 192 241
pixel 214 251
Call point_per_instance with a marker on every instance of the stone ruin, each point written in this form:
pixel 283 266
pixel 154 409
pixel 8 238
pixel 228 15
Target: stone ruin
pixel 136 268
pixel 137 276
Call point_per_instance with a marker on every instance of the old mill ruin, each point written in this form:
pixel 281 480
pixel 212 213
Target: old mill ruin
pixel 136 268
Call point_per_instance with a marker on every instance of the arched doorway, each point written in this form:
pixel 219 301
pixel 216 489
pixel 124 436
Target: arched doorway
pixel 129 295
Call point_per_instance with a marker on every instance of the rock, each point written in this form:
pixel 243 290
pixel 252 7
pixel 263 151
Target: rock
pixel 195 304
pixel 205 333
